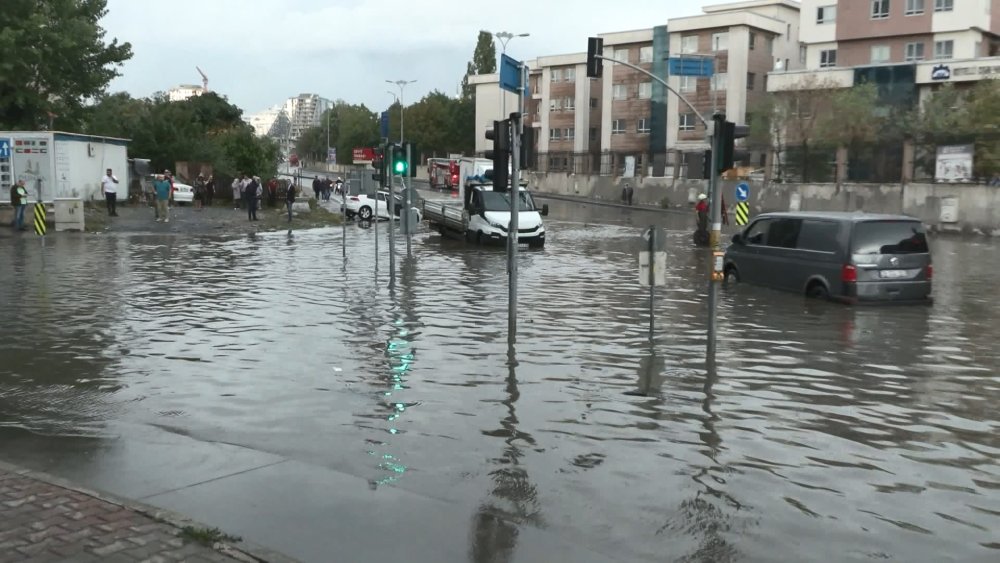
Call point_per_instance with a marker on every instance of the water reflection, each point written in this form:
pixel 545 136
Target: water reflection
pixel 513 501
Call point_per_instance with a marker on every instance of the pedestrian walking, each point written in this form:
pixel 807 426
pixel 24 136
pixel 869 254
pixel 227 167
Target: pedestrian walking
pixel 237 191
pixel 629 190
pixel 162 188
pixel 109 189
pixel 19 199
pixel 290 199
pixel 210 190
pixel 199 192
pixel 252 194
pixel 272 192
pixel 316 187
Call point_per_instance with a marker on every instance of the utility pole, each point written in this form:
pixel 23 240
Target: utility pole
pixel 401 84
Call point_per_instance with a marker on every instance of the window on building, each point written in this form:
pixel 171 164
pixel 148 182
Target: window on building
pixel 556 74
pixel 569 104
pixel 569 74
pixel 944 5
pixel 570 133
pixel 555 134
pixel 593 103
pixel 769 43
pixel 686 122
pixel 622 55
pixel 944 49
pixel 643 125
pixel 914 7
pixel 880 54
pixel 688 83
pixel 753 40
pixel 555 104
pixel 646 54
pixel 751 77
pixel 803 51
pixel 593 134
pixel 720 41
pixel 645 90
pixel 617 126
pixel 827 58
pixel 620 92
pixel 689 44
pixel 719 81
pixel 880 9
pixel 914 52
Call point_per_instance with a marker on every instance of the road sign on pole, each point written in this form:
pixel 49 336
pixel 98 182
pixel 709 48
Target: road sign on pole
pixel 690 66
pixel 742 213
pixel 742 191
pixel 510 74
pixel 5 148
pixel 40 219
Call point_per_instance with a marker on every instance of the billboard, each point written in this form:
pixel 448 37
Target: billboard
pixel 363 155
pixel 954 163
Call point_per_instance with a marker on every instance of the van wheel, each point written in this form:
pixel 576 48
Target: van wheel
pixel 731 275
pixel 817 291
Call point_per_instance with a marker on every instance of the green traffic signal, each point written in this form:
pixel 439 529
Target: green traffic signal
pixel 400 167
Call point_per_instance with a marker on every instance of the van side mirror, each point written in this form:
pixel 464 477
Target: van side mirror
pixel 738 239
pixel 545 209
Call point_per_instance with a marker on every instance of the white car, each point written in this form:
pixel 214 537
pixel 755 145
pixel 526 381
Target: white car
pixel 183 193
pixel 364 206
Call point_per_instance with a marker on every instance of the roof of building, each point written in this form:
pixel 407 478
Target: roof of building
pixel 748 4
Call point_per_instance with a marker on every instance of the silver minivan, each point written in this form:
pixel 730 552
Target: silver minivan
pixel 848 257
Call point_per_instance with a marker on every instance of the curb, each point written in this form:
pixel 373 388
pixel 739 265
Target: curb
pixel 247 552
pixel 602 203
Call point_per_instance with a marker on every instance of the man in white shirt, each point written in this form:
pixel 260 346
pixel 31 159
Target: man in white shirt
pixel 109 187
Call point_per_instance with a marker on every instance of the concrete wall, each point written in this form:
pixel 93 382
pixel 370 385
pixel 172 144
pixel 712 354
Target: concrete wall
pixel 977 206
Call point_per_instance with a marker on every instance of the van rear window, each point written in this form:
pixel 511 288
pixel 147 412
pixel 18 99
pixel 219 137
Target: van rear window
pixel 890 237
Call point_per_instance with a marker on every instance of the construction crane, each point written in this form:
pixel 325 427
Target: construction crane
pixel 204 79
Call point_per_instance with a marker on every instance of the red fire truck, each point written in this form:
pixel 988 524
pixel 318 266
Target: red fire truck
pixel 442 173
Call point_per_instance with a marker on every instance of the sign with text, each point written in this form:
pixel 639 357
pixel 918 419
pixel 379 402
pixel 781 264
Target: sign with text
pixel 690 66
pixel 954 163
pixel 363 155
pixel 510 74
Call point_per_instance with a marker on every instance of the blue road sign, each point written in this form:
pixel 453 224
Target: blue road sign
pixel 742 191
pixel 4 148
pixel 690 66
pixel 510 74
pixel 384 124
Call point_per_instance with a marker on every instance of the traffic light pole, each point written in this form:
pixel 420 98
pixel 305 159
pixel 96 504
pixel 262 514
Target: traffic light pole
pixel 515 198
pixel 405 213
pixel 391 204
pixel 714 193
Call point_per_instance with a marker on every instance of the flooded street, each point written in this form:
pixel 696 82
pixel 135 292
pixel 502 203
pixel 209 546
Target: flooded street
pixel 264 385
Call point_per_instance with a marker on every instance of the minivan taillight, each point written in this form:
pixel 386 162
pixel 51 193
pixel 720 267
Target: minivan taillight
pixel 848 274
pixel 929 271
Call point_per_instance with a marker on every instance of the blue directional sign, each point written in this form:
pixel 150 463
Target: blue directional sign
pixel 4 148
pixel 384 124
pixel 690 66
pixel 510 74
pixel 742 191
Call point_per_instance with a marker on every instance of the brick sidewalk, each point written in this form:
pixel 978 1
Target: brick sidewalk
pixel 41 521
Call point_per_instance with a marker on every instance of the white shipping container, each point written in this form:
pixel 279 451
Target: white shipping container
pixel 62 165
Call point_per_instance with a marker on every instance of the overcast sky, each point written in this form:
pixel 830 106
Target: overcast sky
pixel 260 52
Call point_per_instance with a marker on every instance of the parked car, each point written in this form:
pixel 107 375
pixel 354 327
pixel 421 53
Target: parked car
pixel 365 206
pixel 183 193
pixel 849 257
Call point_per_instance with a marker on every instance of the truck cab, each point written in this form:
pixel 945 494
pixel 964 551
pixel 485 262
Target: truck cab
pixel 487 214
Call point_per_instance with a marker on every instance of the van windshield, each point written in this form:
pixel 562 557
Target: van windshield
pixel 500 201
pixel 890 237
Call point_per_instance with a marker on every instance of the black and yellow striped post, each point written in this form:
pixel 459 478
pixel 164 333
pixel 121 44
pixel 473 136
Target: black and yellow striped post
pixel 40 218
pixel 742 213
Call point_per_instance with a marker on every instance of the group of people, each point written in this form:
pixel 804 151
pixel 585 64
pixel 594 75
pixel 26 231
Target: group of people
pixel 324 187
pixel 247 193
pixel 204 191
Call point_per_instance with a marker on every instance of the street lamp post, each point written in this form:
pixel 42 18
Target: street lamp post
pixel 402 84
pixel 505 37
pixel 328 139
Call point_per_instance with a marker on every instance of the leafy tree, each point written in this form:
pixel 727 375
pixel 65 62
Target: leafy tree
pixel 350 126
pixel 485 55
pixel 960 116
pixel 798 111
pixel 55 58
pixel 852 118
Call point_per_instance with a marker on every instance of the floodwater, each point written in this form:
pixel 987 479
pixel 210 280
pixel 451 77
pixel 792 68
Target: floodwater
pixel 822 433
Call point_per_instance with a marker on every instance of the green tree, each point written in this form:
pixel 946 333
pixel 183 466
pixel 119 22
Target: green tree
pixel 350 126
pixel 55 58
pixel 852 118
pixel 484 61
pixel 960 116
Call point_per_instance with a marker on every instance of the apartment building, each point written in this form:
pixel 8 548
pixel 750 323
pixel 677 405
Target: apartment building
pixel 625 122
pixel 305 111
pixel 490 105
pixel 745 41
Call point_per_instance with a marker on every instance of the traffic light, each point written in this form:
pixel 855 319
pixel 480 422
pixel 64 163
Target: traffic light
pixel 528 152
pixel 379 164
pixel 500 155
pixel 400 167
pixel 595 66
pixel 728 155
pixel 706 165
